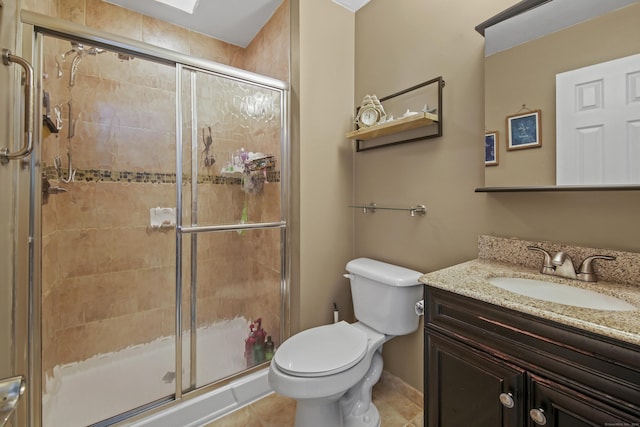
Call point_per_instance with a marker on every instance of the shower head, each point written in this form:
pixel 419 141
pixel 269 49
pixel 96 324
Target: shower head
pixel 75 48
pixel 125 57
pixel 81 49
pixel 93 51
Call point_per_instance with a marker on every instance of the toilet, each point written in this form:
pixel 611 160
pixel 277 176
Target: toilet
pixel 331 369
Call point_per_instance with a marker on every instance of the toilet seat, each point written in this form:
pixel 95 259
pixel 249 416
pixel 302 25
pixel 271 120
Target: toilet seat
pixel 322 351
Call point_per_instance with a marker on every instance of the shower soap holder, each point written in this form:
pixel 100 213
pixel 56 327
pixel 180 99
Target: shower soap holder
pixel 162 217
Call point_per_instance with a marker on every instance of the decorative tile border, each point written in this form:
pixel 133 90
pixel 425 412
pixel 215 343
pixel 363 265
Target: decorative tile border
pixel 98 175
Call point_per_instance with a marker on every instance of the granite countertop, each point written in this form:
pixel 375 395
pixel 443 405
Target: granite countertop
pixel 471 279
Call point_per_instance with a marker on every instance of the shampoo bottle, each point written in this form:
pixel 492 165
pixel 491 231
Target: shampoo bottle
pixel 269 348
pixel 249 345
pixel 260 334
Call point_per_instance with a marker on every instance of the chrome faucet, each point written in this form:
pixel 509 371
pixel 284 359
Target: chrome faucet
pixel 561 265
pixel 564 266
pixel 586 273
pixel 547 266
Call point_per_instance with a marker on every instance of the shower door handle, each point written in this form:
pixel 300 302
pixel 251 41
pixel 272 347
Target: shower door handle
pixel 10 391
pixel 5 154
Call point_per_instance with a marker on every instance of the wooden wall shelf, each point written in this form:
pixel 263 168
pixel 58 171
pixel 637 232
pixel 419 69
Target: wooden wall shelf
pixel 415 127
pixel 395 126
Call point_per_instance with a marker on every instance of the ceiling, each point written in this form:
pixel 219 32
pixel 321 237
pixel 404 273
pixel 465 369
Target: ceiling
pixel 232 21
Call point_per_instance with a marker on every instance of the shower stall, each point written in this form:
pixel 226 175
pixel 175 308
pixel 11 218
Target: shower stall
pixel 158 221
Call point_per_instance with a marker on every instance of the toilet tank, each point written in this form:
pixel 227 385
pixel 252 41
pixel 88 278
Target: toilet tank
pixel 384 295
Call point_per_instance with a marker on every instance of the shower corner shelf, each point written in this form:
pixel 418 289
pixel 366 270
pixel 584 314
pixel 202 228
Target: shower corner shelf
pixel 395 126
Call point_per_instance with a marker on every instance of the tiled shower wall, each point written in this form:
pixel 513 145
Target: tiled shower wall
pixel 109 278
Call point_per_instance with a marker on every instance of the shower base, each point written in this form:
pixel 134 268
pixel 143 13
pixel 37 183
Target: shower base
pixel 212 405
pixel 83 393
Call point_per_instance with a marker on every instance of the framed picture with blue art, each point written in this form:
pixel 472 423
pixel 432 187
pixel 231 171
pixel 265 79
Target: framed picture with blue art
pixel 491 148
pixel 523 130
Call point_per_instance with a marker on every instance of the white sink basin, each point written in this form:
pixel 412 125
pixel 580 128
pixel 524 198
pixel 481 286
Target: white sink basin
pixel 561 294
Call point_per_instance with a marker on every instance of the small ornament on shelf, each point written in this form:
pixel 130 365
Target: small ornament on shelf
pixel 370 112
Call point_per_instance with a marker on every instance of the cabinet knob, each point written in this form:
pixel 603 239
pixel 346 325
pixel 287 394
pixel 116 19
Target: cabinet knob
pixel 537 415
pixel 507 400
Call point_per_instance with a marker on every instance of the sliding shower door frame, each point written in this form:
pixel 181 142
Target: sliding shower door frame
pixel 194 230
pixel 35 26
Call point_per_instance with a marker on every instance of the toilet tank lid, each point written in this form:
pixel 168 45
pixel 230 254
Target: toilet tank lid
pixel 392 275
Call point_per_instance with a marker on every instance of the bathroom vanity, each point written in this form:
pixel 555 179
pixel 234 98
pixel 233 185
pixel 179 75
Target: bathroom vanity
pixel 494 358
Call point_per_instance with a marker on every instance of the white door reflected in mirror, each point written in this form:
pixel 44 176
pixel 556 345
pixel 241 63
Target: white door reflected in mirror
pixel 598 124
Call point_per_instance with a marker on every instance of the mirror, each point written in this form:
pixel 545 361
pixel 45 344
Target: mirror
pixel 522 78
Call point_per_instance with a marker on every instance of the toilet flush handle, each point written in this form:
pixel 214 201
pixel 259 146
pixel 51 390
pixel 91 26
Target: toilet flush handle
pixel 348 276
pixel 420 308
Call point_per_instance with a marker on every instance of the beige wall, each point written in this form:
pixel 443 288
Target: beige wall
pixel 397 46
pixel 7 206
pixel 537 62
pixel 401 45
pixel 6 280
pixel 322 90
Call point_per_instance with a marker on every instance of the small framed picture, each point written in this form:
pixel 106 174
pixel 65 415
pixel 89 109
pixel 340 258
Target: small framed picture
pixel 491 148
pixel 523 130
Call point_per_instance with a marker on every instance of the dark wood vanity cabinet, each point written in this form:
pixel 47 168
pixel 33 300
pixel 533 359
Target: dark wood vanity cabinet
pixel 465 385
pixel 488 366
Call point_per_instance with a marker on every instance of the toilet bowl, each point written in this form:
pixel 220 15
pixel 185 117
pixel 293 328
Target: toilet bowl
pixel 320 365
pixel 331 369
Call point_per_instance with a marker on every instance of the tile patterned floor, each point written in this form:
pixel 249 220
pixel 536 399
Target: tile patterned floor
pixel 399 405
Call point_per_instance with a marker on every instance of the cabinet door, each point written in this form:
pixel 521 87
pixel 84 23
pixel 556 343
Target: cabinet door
pixel 554 405
pixel 464 387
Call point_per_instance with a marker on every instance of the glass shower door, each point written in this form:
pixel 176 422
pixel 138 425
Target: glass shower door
pixel 161 212
pixel 233 220
pixel 108 275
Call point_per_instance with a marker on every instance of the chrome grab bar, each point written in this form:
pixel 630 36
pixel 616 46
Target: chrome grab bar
pixel 5 154
pixel 10 391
